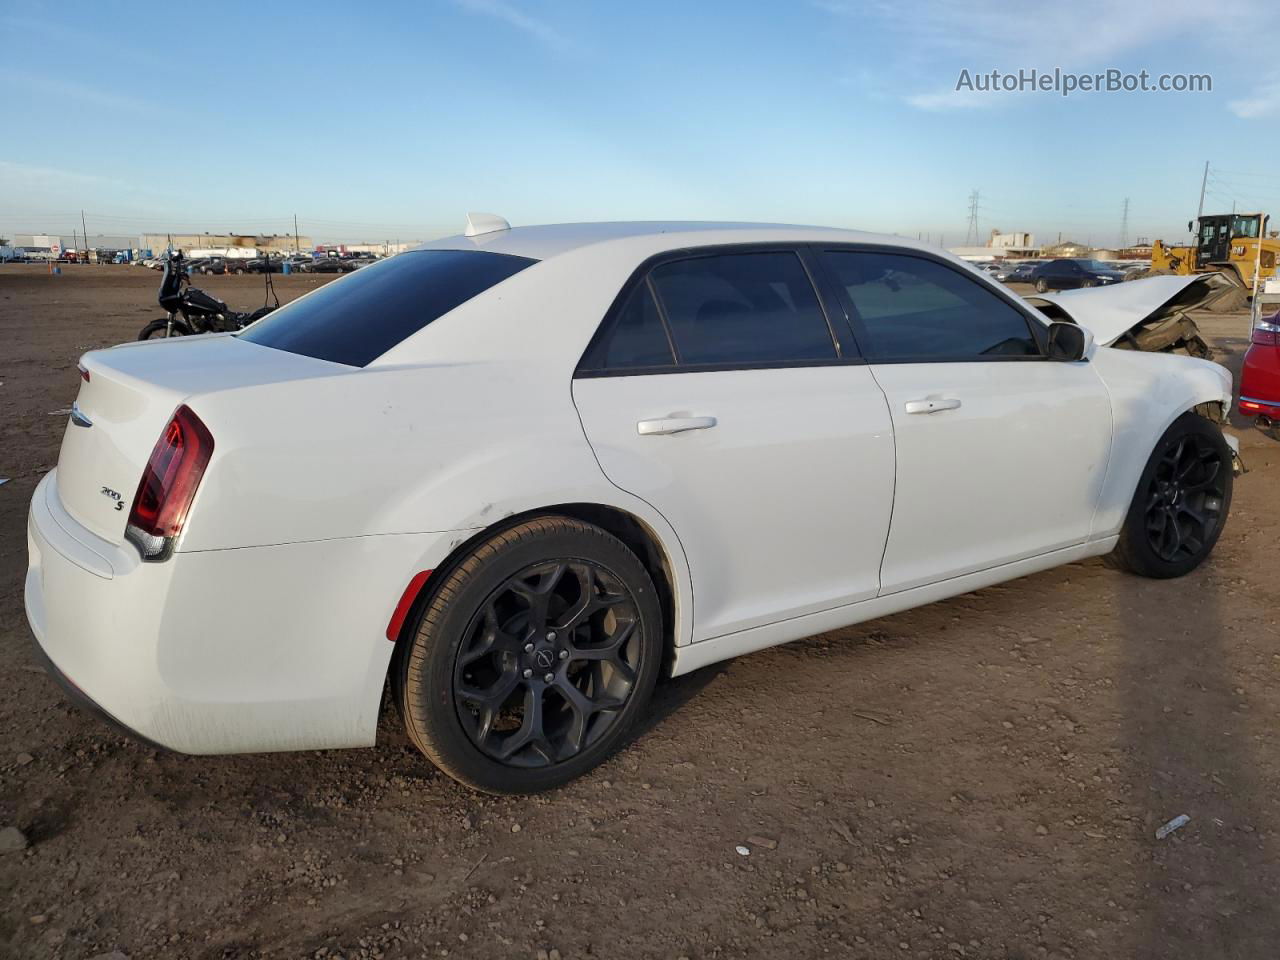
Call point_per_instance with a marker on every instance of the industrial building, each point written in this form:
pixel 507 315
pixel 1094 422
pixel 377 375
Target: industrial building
pixel 189 242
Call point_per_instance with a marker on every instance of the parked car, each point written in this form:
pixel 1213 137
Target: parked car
pixel 496 471
pixel 210 265
pixel 1017 272
pixel 264 265
pixel 330 265
pixel 1260 379
pixel 1069 272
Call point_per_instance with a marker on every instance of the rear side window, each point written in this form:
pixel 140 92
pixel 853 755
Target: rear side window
pixel 634 339
pixel 360 317
pixel 909 308
pixel 743 308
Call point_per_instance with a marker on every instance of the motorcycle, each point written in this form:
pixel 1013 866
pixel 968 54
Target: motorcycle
pixel 191 310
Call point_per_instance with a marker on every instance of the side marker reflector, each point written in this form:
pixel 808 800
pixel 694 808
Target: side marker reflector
pixel 406 604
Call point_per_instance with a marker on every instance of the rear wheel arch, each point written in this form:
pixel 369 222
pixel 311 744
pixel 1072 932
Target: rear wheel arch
pixel 638 536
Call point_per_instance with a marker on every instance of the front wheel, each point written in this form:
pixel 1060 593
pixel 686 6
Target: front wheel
pixel 533 659
pixel 157 329
pixel 1181 503
pixel 1042 285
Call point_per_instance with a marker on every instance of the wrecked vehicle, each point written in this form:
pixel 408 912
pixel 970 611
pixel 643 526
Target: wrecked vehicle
pixel 1149 314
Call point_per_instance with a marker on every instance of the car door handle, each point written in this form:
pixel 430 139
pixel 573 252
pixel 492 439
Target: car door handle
pixel 931 405
pixel 666 425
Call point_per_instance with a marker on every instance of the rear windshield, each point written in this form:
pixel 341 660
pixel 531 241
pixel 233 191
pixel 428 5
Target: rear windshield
pixel 360 317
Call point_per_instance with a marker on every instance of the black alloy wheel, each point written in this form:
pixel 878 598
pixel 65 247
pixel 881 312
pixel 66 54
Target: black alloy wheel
pixel 1185 499
pixel 531 656
pixel 546 665
pixel 1181 503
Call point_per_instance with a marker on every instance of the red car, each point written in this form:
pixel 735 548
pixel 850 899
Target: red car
pixel 1260 381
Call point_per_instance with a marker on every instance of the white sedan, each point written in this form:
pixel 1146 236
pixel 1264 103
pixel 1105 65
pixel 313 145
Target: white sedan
pixel 521 472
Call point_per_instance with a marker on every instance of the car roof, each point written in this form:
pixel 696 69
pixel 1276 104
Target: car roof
pixel 652 236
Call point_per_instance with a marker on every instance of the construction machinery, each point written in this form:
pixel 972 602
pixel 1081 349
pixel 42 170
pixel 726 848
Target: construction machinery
pixel 1226 243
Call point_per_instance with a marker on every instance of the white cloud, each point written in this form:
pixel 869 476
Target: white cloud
pixel 52 86
pixel 1263 102
pixel 515 17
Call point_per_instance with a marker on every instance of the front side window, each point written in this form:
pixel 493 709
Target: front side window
pixel 742 308
pixel 360 317
pixel 910 308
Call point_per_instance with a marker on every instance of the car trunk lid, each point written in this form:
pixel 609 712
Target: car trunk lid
pixel 127 397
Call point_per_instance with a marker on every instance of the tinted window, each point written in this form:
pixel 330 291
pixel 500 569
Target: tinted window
pixel 743 308
pixel 366 313
pixel 912 308
pixel 634 337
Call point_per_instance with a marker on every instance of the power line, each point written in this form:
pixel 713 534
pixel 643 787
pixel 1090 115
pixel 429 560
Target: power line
pixel 971 235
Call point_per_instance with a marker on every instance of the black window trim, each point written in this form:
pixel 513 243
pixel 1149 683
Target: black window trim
pixel 841 336
pixel 1036 325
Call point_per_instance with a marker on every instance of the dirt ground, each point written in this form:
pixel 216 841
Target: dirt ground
pixel 978 778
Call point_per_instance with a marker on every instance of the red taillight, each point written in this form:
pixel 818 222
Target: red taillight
pixel 84 374
pixel 1266 331
pixel 168 484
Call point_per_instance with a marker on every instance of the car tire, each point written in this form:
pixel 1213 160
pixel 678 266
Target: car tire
pixel 1087 283
pixel 158 330
pixel 239 271
pixel 532 658
pixel 1042 285
pixel 1181 503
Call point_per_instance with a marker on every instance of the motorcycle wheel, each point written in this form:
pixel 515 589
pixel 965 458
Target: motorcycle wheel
pixel 158 330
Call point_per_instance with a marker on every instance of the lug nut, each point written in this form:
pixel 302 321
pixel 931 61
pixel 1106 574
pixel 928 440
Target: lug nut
pixel 551 635
pixel 549 677
pixel 564 654
pixel 527 673
pixel 528 648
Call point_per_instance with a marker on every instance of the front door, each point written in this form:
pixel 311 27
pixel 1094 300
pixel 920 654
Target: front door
pixel 1001 452
pixel 717 391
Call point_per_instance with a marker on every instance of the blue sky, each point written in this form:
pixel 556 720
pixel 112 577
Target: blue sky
pixel 383 121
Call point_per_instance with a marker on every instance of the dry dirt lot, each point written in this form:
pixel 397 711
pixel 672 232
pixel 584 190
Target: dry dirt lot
pixel 979 778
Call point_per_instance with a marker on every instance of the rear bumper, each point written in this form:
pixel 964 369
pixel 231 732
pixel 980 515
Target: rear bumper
pixel 83 700
pixel 225 651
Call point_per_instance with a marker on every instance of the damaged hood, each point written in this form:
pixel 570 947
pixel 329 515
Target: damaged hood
pixel 1111 312
pixel 1125 311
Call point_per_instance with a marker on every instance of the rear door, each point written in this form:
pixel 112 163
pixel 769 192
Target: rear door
pixel 718 391
pixel 1001 452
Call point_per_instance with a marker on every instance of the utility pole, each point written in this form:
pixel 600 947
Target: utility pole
pixel 1124 225
pixel 1204 182
pixel 85 231
pixel 296 248
pixel 971 235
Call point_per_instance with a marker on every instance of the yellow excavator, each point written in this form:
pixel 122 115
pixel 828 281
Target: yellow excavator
pixel 1226 243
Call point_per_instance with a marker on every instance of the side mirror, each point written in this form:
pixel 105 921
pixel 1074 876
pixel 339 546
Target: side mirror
pixel 1068 342
pixel 1189 227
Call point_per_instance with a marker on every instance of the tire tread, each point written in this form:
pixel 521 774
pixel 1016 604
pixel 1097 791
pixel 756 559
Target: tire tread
pixel 446 593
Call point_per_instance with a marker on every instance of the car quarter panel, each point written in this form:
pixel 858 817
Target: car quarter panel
pixel 1148 392
pixel 268 648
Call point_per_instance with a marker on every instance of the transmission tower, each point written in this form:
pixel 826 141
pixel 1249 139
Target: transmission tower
pixel 971 238
pixel 1124 225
